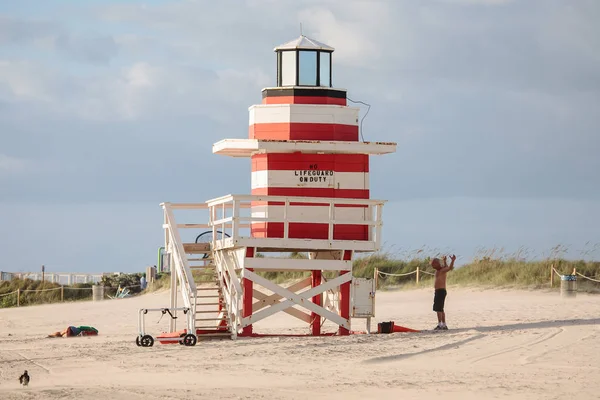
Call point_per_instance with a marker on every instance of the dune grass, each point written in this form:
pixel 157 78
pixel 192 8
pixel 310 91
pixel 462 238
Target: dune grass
pixel 490 269
pixel 489 272
pixel 45 292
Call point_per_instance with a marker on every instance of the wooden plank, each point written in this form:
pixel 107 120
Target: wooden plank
pixel 196 248
pixel 265 301
pixel 296 286
pixel 286 245
pixel 209 227
pixel 301 300
pixel 287 264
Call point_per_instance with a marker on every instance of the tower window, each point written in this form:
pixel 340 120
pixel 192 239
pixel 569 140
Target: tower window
pixel 325 69
pixel 288 68
pixel 307 63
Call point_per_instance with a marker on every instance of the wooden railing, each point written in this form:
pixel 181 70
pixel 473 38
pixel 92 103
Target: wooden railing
pixel 180 263
pixel 225 216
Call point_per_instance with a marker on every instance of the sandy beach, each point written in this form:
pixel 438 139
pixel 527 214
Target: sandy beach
pixel 501 344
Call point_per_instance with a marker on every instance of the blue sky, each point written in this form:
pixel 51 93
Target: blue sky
pixel 108 108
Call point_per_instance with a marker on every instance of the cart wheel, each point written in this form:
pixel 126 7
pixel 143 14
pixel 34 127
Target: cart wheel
pixel 137 340
pixel 190 340
pixel 181 342
pixel 147 341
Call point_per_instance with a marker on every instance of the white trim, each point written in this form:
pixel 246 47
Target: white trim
pixel 265 301
pixel 292 178
pixel 301 299
pixel 281 264
pixel 248 147
pixel 304 244
pixel 303 113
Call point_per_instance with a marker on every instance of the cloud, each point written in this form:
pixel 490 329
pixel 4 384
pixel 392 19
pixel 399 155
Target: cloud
pixel 484 101
pixel 355 46
pixel 20 31
pixel 478 2
pixel 88 47
pixel 133 92
pixel 94 49
pixel 10 166
pixel 494 107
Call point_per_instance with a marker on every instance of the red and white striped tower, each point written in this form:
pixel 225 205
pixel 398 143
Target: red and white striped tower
pixel 304 108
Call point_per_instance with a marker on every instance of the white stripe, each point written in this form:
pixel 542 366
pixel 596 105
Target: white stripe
pixel 303 113
pixel 292 179
pixel 312 214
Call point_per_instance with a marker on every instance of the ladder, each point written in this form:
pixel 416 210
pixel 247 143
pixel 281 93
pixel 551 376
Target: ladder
pixel 211 317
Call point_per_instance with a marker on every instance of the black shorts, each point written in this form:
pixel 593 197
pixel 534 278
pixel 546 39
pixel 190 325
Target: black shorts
pixel 438 300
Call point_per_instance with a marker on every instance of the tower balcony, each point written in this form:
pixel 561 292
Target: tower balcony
pixel 290 223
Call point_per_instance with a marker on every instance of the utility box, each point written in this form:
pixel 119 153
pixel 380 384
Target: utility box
pixel 363 299
pixel 150 274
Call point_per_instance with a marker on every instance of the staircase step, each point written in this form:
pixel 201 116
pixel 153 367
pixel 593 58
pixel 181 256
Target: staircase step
pixel 209 297
pixel 212 327
pixel 196 248
pixel 209 304
pixel 210 319
pixel 209 288
pixel 216 334
pixel 209 312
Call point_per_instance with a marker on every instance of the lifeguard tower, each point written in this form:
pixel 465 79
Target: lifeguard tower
pixel 309 194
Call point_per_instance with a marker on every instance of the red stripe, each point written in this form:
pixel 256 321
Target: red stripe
pixel 302 161
pixel 313 192
pixel 304 204
pixel 310 231
pixel 303 131
pixel 303 100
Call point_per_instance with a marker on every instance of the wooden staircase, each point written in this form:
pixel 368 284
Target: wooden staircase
pixel 211 319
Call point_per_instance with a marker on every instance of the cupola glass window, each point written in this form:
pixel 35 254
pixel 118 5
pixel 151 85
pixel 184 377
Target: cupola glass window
pixel 325 69
pixel 304 62
pixel 287 75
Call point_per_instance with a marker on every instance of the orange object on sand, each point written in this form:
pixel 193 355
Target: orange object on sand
pixel 398 328
pixel 165 335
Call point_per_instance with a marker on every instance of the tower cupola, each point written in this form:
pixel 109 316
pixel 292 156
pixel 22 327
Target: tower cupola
pixel 304 62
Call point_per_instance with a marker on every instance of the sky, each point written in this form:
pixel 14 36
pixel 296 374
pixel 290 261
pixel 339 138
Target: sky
pixel 108 108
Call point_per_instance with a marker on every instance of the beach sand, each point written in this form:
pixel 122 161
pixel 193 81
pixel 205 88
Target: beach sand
pixel 512 344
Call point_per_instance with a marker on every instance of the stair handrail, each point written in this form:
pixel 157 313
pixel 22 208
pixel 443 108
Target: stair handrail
pixel 184 273
pixel 232 291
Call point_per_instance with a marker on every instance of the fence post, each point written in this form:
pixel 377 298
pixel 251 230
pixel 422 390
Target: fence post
pixel 376 277
pixel 417 275
pixel 18 297
pixel 62 293
pixel 551 275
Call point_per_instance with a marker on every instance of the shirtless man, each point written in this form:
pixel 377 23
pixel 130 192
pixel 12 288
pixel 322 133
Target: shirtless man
pixel 440 289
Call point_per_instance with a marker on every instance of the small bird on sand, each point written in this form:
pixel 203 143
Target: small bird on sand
pixel 24 379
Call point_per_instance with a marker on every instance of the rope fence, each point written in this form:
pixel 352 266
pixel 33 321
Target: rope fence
pixel 554 272
pixel 588 278
pixel 18 292
pixel 417 272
